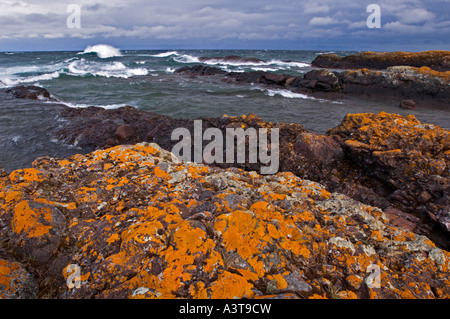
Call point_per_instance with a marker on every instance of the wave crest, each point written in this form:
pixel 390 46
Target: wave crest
pixel 103 51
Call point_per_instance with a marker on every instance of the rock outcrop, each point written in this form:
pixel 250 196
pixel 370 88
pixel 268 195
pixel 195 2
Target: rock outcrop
pixel 411 159
pixel 436 60
pixel 384 160
pixel 30 92
pixel 423 85
pixel 135 222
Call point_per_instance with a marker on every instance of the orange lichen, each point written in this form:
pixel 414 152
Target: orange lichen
pixel 135 235
pixel 31 222
pixel 230 286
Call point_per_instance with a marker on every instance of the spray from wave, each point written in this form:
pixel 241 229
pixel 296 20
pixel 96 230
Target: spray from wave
pixel 103 51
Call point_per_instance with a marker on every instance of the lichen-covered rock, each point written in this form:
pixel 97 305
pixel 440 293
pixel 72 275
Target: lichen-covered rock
pixel 16 282
pixel 412 159
pixel 142 224
pixel 321 158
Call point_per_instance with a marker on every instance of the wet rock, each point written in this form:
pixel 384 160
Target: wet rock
pixel 200 70
pixel 30 92
pixel 427 87
pixel 407 104
pixel 2 172
pixel 406 83
pixel 322 80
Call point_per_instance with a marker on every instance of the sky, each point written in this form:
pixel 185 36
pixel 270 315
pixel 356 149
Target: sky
pixel 407 25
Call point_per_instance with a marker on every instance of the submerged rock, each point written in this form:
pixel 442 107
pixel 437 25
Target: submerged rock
pixel 407 104
pixel 141 224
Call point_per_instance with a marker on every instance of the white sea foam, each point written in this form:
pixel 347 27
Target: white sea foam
pixel 103 51
pixel 82 105
pixel 78 105
pixel 263 69
pixel 112 69
pixel 290 64
pixel 292 95
pixel 233 63
pixel 165 54
pixel 186 58
pixel 16 80
pixel 289 94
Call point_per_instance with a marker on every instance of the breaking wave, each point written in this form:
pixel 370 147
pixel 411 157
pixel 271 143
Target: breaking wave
pixel 111 69
pixel 103 51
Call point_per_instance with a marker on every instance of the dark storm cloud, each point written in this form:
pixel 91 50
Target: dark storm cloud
pixel 316 23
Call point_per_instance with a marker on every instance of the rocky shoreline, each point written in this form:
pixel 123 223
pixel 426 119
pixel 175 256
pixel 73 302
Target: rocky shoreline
pixel 385 160
pixel 425 87
pixel 436 60
pixel 382 194
pixel 135 222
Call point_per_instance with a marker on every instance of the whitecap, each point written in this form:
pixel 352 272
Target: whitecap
pixel 42 77
pixel 186 58
pixel 263 69
pixel 15 80
pixel 112 69
pixel 290 64
pixel 103 51
pixel 82 106
pixel 289 94
pixel 165 54
pixel 233 63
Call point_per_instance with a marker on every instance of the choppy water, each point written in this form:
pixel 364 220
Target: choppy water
pixel 104 76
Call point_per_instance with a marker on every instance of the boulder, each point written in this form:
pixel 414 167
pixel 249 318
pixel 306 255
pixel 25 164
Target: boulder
pixel 16 282
pixel 125 132
pixel 322 80
pixel 37 230
pixel 30 92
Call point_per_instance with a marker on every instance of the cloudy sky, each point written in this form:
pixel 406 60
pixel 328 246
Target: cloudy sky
pixel 412 25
